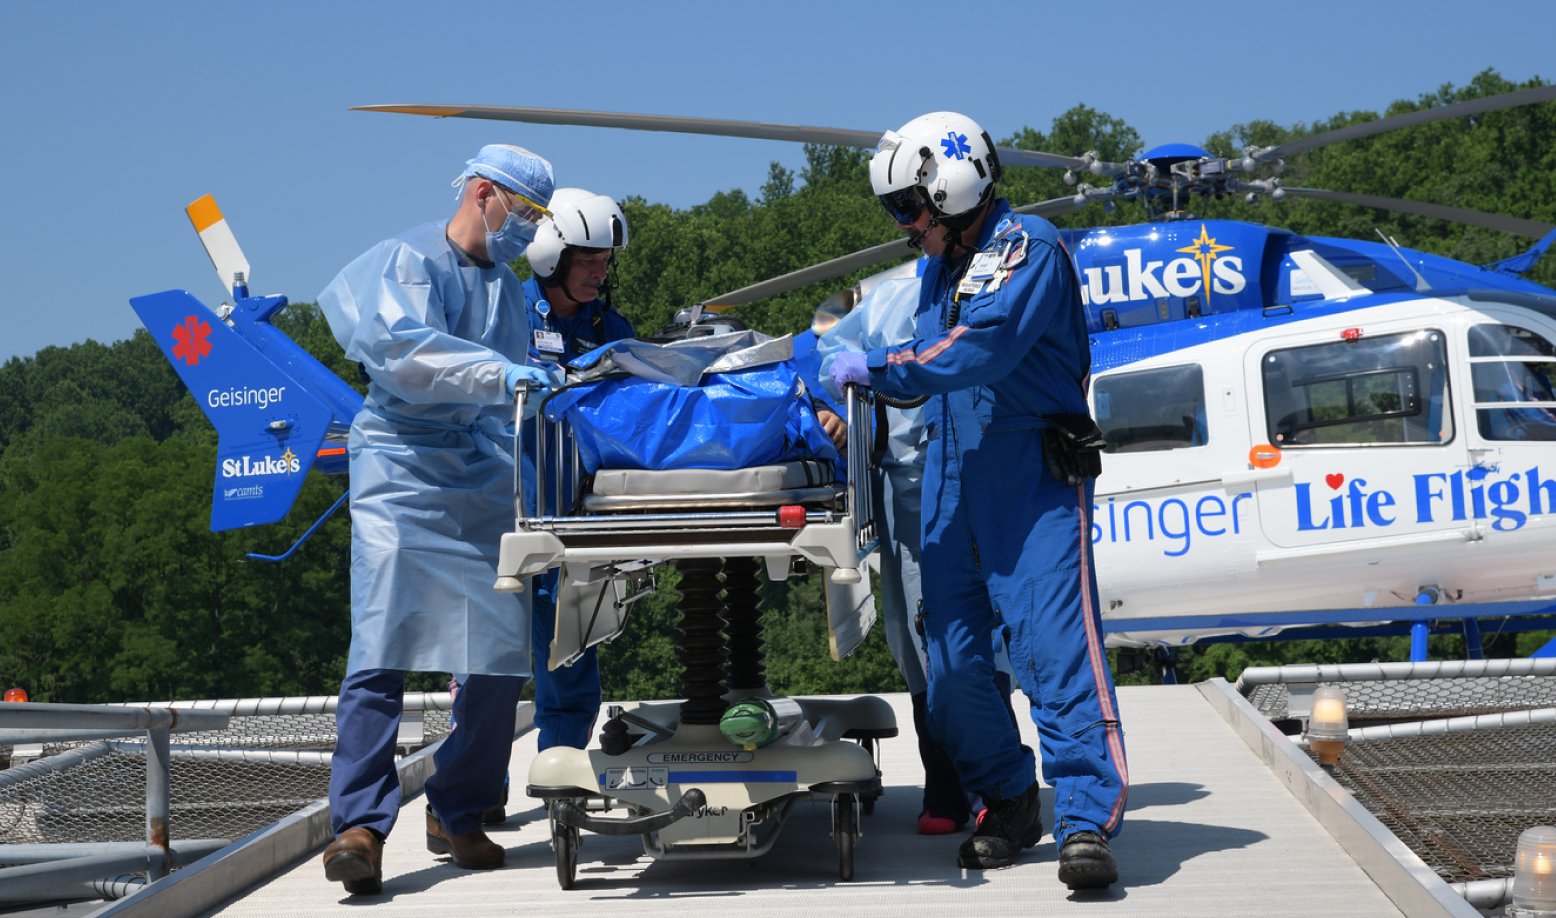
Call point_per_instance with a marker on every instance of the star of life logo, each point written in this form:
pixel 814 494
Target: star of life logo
pixel 253 466
pixel 191 337
pixel 955 145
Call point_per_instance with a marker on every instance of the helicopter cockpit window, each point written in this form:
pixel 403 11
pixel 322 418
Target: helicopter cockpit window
pixel 1388 389
pixel 1151 409
pixel 1511 364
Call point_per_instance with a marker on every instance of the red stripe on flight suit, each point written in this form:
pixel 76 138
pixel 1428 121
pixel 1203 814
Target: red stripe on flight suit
pixel 1099 669
pixel 902 357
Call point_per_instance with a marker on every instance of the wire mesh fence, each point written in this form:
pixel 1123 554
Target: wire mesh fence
pixel 214 792
pixel 1459 800
pixel 1417 699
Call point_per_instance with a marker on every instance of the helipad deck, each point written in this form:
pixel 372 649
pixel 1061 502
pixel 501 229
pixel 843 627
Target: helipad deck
pixel 1212 830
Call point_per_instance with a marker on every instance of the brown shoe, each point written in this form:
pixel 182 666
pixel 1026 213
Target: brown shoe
pixel 356 859
pixel 472 851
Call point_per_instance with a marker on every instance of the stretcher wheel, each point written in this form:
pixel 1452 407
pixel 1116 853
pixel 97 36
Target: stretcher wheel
pixel 564 841
pixel 846 821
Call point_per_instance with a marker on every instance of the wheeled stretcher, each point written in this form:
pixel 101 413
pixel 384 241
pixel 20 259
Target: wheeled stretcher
pixel 664 770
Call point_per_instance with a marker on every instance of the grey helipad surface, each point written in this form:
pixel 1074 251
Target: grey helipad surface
pixel 1210 831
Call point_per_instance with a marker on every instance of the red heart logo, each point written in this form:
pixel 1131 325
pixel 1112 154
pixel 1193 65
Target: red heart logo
pixel 1335 481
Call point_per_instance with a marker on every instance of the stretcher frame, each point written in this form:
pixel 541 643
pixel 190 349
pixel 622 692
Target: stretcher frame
pixel 736 800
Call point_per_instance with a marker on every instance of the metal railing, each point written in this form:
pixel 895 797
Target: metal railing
pixel 62 871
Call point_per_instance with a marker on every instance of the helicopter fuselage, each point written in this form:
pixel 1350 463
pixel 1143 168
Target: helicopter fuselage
pixel 1300 424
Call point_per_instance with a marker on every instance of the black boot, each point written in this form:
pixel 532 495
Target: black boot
pixel 1009 825
pixel 1086 862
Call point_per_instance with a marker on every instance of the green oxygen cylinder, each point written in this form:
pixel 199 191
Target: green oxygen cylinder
pixel 754 722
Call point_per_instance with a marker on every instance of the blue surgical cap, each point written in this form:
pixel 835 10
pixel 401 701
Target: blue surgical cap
pixel 514 168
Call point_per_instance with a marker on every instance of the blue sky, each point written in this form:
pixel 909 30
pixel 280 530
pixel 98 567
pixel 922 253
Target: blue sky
pixel 118 114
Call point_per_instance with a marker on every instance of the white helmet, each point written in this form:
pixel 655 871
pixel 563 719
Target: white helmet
pixel 942 160
pixel 580 220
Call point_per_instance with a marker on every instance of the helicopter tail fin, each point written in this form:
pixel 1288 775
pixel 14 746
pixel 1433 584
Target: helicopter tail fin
pixel 271 430
pixel 1518 264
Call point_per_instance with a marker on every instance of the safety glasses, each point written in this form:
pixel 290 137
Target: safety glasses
pixel 905 205
pixel 524 208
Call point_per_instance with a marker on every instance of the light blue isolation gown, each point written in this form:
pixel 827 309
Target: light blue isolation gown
pixel 431 453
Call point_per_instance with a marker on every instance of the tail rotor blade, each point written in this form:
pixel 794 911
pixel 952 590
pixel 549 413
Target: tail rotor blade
pixel 218 240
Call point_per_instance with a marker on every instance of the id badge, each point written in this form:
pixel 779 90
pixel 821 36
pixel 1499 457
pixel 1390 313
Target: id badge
pixel 548 341
pixel 983 265
pixel 970 286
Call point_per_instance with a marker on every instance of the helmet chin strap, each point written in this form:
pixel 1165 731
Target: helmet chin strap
pixel 609 285
pixel 957 226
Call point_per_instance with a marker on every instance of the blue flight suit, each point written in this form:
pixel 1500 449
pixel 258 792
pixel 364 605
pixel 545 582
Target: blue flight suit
pixel 1003 539
pixel 567 700
pixel 431 496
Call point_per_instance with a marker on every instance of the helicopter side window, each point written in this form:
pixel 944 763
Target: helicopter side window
pixel 1151 409
pixel 1512 364
pixel 1388 389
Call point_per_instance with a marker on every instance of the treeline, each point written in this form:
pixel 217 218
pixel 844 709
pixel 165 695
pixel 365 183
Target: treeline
pixel 112 587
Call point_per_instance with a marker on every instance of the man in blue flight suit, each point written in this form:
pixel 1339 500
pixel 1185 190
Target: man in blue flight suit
pixel 886 315
pixel 437 320
pixel 569 315
pixel 1001 344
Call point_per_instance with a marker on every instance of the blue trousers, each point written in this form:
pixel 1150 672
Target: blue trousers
pixel 471 764
pixel 1016 548
pixel 567 699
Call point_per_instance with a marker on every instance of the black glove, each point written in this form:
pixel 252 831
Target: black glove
pixel 1072 447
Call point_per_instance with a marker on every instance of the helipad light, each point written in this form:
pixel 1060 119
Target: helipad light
pixel 1534 874
pixel 1328 728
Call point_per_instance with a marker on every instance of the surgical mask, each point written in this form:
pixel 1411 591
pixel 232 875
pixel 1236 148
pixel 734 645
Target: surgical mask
pixel 511 240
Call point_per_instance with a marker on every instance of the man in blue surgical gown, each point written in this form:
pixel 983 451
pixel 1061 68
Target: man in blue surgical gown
pixel 437 320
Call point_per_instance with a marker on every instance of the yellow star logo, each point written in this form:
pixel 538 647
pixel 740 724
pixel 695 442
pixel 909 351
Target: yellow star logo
pixel 287 458
pixel 1205 250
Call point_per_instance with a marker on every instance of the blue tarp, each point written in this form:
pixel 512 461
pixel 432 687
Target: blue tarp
pixel 732 420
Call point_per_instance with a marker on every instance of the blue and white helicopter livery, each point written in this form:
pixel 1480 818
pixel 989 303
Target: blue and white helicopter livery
pixel 1301 431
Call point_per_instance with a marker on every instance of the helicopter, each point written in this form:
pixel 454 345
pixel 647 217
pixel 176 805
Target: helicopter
pixel 1350 437
pixel 1301 431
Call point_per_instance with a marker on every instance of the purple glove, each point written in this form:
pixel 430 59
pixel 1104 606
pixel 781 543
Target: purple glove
pixel 849 367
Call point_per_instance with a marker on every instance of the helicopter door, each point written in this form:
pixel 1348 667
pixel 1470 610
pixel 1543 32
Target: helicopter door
pixel 1512 361
pixel 1358 419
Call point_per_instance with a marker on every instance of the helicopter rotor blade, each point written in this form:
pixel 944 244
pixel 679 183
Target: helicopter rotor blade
pixel 794 280
pixel 1515 225
pixel 847 264
pixel 756 130
pixel 1410 119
